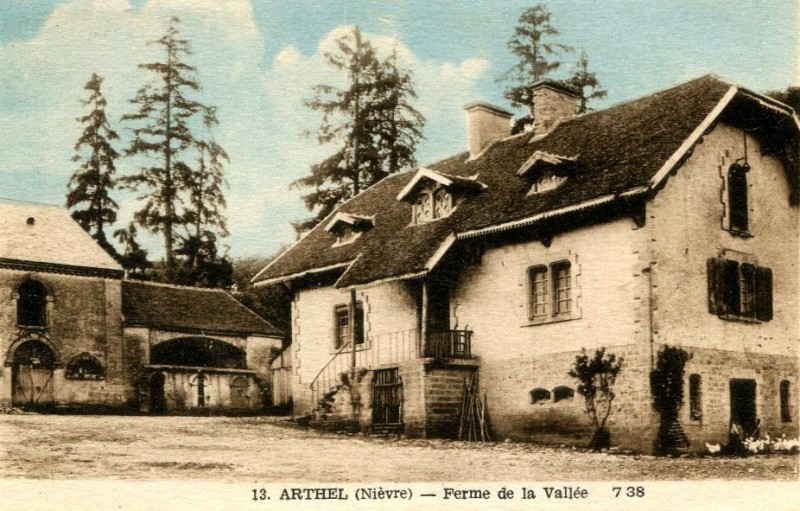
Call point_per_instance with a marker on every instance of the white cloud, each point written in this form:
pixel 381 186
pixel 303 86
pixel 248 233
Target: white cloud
pixel 261 111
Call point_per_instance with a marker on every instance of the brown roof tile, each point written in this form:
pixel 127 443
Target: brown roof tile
pixel 188 308
pixel 617 149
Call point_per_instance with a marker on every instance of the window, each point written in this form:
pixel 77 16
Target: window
pixel 786 412
pixel 432 204
pixel 739 290
pixel 539 395
pixel 737 197
pixel 32 304
pixel 695 397
pixel 346 235
pixel 539 291
pixel 550 291
pixel 85 367
pixel 562 288
pixel 343 323
pixel 561 393
pixel 546 182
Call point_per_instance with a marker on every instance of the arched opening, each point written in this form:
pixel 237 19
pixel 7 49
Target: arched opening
pixel 198 352
pixel 32 374
pixel 561 393
pixel 85 367
pixel 539 395
pixel 239 392
pixel 32 304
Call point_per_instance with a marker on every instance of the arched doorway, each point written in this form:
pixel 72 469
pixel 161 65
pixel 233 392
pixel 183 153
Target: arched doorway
pixel 239 392
pixel 156 392
pixel 32 375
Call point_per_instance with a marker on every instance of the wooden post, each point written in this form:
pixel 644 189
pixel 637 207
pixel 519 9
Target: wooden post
pixel 423 327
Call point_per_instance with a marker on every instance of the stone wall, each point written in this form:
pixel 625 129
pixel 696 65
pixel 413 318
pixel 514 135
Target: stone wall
pixel 84 315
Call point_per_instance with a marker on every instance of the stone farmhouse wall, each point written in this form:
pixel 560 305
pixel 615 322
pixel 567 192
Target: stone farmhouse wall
pixel 83 316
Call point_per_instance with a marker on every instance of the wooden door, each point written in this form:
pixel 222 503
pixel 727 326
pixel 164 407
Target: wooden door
pixel 239 393
pixel 387 401
pixel 32 375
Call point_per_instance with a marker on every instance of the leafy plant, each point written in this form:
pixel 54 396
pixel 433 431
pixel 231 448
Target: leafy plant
pixel 596 376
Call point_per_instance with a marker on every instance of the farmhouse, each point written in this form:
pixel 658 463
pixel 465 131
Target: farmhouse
pixel 74 333
pixel 667 220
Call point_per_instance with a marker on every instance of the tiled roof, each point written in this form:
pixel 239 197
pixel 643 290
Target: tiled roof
pixel 190 309
pixel 616 150
pixel 36 235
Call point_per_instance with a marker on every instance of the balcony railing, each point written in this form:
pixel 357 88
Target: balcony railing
pixel 449 344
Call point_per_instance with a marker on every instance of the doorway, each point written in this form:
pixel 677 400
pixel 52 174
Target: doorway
pixel 387 401
pixel 743 406
pixel 32 375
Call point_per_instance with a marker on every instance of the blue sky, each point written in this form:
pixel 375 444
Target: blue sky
pixel 259 59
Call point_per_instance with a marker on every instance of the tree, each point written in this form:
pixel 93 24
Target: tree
pixel 370 119
pixel 175 192
pixel 790 96
pixel 533 44
pixel 582 79
pixel 666 385
pixel 206 200
pixel 90 185
pixel 596 377
pixel 134 257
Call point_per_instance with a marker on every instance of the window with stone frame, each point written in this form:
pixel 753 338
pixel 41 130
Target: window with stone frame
pixel 32 304
pixel 786 407
pixel 739 290
pixel 695 397
pixel 551 292
pixel 342 324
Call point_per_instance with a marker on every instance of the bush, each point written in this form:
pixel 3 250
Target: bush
pixel 596 377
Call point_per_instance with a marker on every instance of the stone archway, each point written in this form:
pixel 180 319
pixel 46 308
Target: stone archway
pixel 32 367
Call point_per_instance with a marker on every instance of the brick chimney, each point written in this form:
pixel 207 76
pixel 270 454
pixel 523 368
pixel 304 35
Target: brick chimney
pixel 485 124
pixel 553 101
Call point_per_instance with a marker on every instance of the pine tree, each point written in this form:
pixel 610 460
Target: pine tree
pixel 163 136
pixel 582 79
pixel 205 221
pixel 371 120
pixel 538 54
pixel 90 185
pixel 134 257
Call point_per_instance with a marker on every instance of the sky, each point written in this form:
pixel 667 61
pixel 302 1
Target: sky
pixel 258 60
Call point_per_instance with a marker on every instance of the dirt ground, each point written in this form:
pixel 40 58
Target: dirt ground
pixel 270 449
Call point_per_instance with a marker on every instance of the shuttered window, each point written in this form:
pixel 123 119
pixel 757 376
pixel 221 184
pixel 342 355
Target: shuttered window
pixel 739 290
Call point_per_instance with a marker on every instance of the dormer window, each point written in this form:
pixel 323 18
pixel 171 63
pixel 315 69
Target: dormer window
pixel 347 227
pixel 433 195
pixel 546 171
pixel 546 182
pixel 432 203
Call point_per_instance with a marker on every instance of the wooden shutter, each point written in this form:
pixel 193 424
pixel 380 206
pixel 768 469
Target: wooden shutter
pixel 763 294
pixel 732 291
pixel 716 288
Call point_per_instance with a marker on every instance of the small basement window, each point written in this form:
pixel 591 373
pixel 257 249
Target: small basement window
pixel 561 393
pixel 539 395
pixel 85 367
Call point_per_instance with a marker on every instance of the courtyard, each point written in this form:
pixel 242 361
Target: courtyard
pixel 268 449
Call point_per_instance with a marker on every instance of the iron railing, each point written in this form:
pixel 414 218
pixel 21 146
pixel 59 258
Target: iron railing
pixel 449 344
